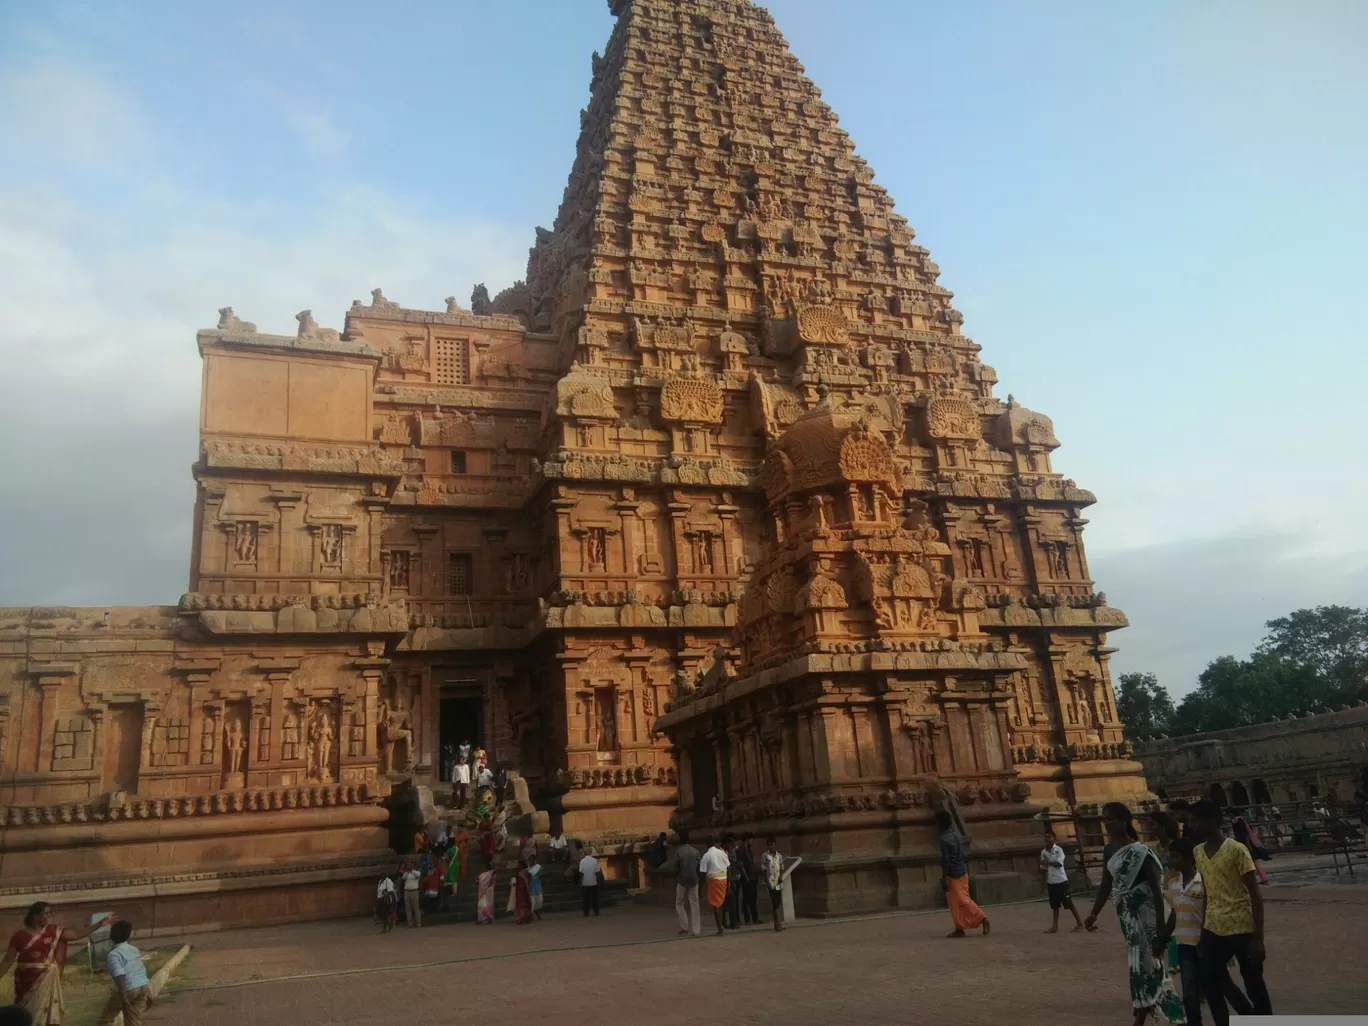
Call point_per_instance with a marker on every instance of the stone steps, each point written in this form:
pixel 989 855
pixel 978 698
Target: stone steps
pixel 558 895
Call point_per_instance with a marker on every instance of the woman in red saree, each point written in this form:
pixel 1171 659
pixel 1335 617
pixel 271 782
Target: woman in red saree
pixel 522 895
pixel 38 953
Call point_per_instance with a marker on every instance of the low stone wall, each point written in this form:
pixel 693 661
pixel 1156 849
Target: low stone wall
pixel 1314 756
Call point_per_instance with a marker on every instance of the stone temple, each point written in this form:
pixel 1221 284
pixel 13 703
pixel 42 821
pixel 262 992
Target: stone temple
pixel 714 518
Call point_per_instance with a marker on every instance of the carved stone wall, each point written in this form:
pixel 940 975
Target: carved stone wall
pixel 730 409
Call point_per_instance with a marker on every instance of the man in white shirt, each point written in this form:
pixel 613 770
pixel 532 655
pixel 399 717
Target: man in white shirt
pixel 413 882
pixel 132 993
pixel 385 902
pixel 560 847
pixel 1057 882
pixel 486 777
pixel 714 866
pixel 589 873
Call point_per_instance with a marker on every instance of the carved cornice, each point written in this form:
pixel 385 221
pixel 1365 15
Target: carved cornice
pixel 119 807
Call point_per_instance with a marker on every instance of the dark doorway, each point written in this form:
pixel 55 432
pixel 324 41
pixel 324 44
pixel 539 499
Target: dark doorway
pixel 703 769
pixel 1261 795
pixel 1217 794
pixel 460 719
pixel 1238 795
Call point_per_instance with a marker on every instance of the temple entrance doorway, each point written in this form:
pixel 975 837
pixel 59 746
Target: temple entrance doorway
pixel 460 718
pixel 123 747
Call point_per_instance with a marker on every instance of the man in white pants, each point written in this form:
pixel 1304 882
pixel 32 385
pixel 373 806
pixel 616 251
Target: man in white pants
pixel 684 861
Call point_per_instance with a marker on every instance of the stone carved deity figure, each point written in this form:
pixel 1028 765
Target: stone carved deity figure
pixel 598 546
pixel 331 544
pixel 236 744
pixel 245 541
pixel 394 727
pixel 605 709
pixel 321 736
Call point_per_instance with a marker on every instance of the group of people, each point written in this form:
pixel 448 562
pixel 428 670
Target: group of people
pixel 437 870
pixel 468 767
pixel 731 875
pixel 1197 911
pixel 1192 913
pixel 38 953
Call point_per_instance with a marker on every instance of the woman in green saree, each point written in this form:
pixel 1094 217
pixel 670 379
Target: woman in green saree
pixel 1134 880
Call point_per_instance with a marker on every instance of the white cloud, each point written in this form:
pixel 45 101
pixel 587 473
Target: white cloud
pixel 316 131
pixel 99 396
pixel 1192 601
pixel 62 114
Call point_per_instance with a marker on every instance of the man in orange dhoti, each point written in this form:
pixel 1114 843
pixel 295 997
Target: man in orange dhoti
pixel 714 866
pixel 963 911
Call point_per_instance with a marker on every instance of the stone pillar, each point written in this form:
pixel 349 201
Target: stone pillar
pixel 678 511
pixel 426 578
pixel 287 538
pixel 733 548
pixel 626 510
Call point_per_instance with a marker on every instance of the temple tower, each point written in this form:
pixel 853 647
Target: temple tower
pixel 722 262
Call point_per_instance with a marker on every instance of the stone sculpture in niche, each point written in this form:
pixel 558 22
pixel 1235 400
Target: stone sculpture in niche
pixel 395 728
pixel 236 745
pixel 322 733
pixel 245 541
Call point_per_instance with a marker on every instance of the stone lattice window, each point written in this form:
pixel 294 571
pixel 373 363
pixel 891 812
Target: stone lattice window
pixel 458 462
pixel 459 574
pixel 72 743
pixel 289 744
pixel 356 733
pixel 171 742
pixel 263 736
pixel 451 363
pixel 208 739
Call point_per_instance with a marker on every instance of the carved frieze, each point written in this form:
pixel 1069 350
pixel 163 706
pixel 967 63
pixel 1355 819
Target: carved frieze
pixel 691 400
pixel 823 325
pixel 952 418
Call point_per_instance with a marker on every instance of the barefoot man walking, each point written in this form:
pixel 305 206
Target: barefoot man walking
pixel 966 914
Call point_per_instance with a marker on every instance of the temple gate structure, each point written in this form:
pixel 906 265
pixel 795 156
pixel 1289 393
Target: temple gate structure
pixel 715 515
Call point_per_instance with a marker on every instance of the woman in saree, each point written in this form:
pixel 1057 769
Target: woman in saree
pixel 522 895
pixel 534 885
pixel 1133 878
pixel 453 869
pixel 38 954
pixel 484 900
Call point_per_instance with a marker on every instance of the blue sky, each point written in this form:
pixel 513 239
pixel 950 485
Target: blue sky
pixel 1153 216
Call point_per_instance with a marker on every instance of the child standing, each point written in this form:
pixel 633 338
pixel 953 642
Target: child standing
pixel 1057 882
pixel 132 993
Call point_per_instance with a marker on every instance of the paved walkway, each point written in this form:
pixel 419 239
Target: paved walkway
pixel 628 966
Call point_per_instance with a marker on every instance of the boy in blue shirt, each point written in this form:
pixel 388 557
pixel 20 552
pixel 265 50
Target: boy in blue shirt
pixel 132 993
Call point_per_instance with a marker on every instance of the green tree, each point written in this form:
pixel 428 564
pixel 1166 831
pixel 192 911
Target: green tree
pixel 1143 705
pixel 1235 693
pixel 1333 639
